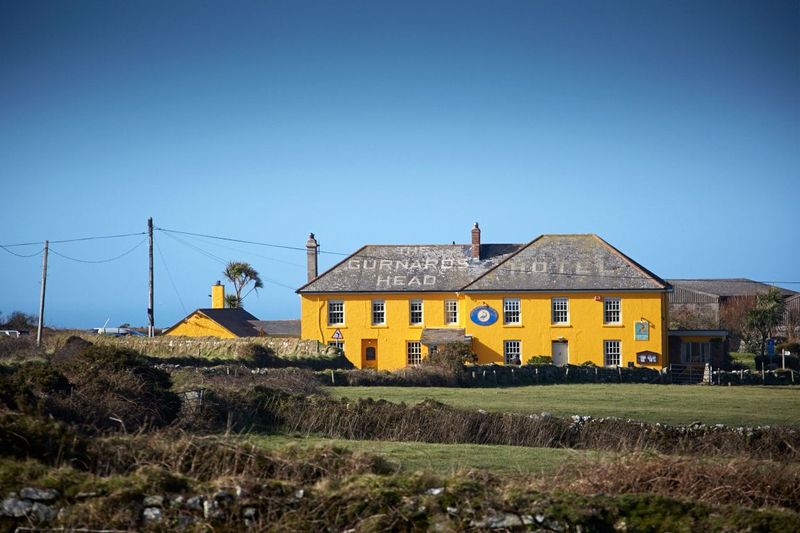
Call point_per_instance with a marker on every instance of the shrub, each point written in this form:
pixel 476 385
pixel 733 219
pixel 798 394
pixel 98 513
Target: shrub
pixel 115 388
pixel 540 360
pixel 452 356
pixel 34 387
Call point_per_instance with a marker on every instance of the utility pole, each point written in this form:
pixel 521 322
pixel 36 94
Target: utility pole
pixel 41 297
pixel 151 329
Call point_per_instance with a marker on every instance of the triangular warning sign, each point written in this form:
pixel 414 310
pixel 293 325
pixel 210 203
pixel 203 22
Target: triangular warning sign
pixel 337 335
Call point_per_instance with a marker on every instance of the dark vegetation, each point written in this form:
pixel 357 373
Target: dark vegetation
pixel 128 445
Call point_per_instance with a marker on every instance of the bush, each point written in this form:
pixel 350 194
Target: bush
pixel 113 388
pixel 452 356
pixel 540 360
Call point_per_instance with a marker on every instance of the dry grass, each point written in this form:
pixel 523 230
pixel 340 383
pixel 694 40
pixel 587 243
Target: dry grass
pixel 737 481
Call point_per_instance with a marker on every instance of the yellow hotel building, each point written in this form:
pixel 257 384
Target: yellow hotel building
pixel 573 297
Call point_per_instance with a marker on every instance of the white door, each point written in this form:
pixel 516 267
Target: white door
pixel 560 355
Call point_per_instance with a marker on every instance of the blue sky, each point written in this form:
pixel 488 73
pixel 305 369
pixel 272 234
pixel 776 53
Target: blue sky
pixel 671 129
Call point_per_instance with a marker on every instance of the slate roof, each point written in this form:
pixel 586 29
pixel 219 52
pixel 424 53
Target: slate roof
pixel 568 262
pixel 548 263
pixel 728 287
pixel 277 328
pixel 237 321
pixel 409 268
pixel 443 336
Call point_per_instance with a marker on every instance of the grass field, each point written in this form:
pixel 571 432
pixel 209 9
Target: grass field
pixel 671 404
pixel 445 458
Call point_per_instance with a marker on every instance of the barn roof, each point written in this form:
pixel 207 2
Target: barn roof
pixel 728 287
pixel 548 263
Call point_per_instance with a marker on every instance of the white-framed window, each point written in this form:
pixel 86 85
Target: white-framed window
pixel 560 310
pixel 612 353
pixel 512 352
pixel 335 312
pixel 611 311
pixel 338 344
pixel 451 311
pixel 511 314
pixel 696 352
pixel 413 353
pixel 415 312
pixel 378 312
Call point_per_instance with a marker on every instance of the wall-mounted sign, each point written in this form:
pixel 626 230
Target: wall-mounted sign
pixel 337 335
pixel 642 330
pixel 483 315
pixel 647 358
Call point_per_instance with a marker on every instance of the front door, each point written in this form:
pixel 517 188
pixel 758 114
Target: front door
pixel 560 353
pixel 369 353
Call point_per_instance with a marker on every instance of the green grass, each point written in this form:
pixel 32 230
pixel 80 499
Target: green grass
pixel 671 404
pixel 745 359
pixel 445 458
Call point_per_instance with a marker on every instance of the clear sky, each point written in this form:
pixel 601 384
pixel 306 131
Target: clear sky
pixel 670 128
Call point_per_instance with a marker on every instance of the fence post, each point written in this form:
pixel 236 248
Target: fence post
pixel 619 373
pixel 333 378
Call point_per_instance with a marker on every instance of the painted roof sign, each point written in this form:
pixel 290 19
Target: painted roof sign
pixel 483 315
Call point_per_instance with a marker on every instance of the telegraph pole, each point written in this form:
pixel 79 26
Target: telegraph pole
pixel 41 297
pixel 151 329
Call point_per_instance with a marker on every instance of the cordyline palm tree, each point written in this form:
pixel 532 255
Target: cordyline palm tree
pixel 241 275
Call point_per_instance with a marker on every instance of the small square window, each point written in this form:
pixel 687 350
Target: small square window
pixel 413 353
pixel 512 352
pixel 337 344
pixel 451 311
pixel 378 312
pixel 560 311
pixel 611 310
pixel 335 313
pixel 415 312
pixel 612 353
pixel 511 313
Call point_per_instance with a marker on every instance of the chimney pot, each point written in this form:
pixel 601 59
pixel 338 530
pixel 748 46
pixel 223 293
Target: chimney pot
pixel 476 242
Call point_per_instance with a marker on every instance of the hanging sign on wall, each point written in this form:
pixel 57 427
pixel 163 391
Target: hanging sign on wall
pixel 642 330
pixel 483 315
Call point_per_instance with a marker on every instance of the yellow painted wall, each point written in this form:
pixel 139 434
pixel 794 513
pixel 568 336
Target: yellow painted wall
pixel 199 325
pixel 584 334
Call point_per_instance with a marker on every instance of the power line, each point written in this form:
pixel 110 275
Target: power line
pixel 249 252
pixel 21 255
pixel 100 260
pixel 221 260
pixel 62 241
pixel 234 240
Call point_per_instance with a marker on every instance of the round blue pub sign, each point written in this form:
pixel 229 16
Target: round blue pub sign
pixel 483 315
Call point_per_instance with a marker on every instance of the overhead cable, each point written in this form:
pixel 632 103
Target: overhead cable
pixel 123 254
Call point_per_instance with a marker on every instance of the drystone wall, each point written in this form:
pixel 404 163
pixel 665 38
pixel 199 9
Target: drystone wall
pixel 207 346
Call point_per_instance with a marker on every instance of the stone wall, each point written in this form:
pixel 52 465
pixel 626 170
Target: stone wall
pixel 205 346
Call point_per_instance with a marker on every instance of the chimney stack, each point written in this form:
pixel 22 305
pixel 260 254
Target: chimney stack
pixel 312 252
pixel 217 296
pixel 476 241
